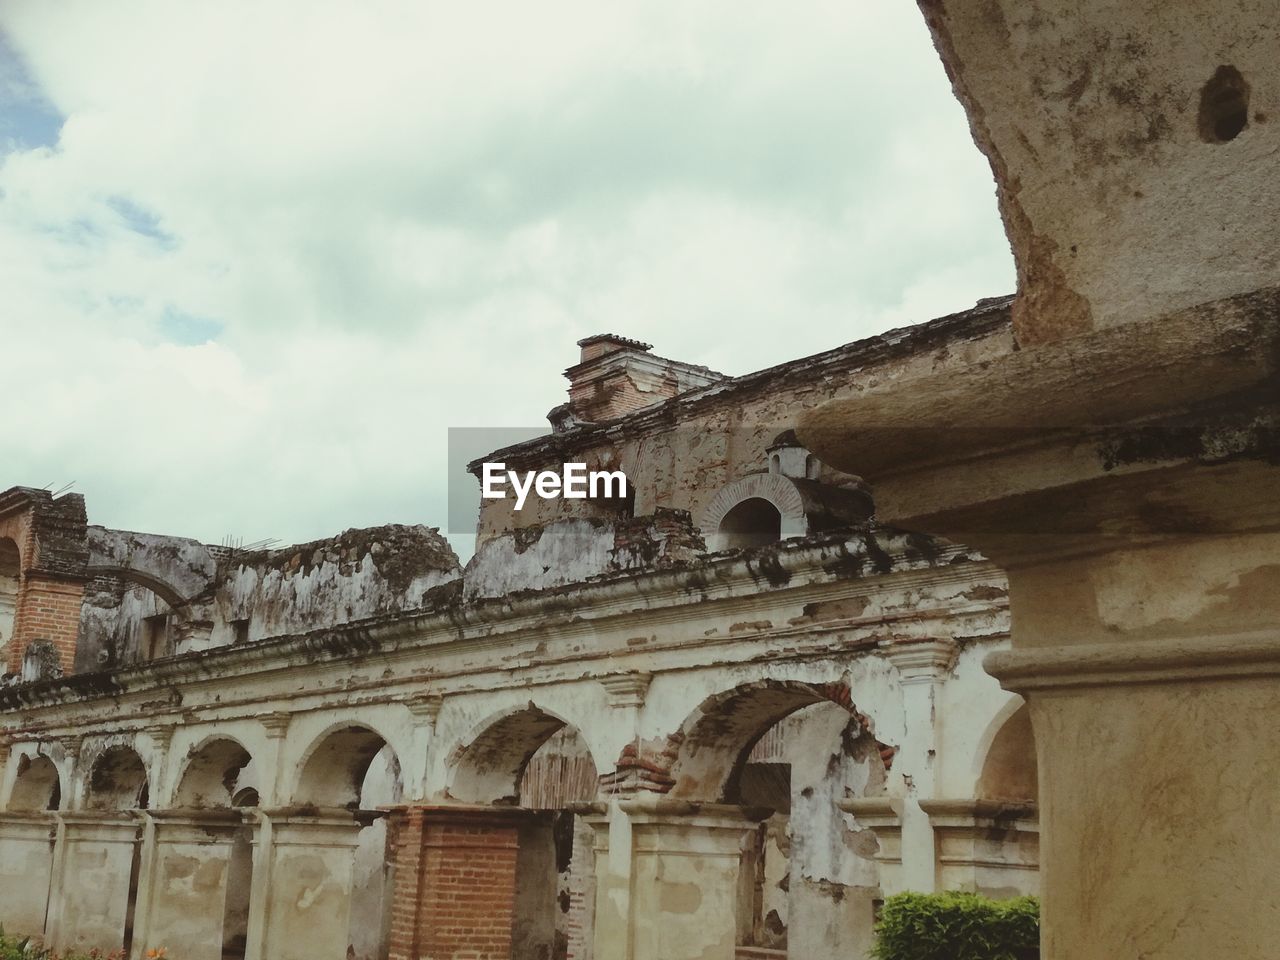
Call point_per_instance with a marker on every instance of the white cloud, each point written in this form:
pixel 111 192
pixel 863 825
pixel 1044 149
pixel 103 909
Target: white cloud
pixel 397 217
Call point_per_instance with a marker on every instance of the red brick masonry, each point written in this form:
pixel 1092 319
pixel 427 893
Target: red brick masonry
pixel 455 882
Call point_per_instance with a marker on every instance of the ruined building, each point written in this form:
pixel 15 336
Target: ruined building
pixel 722 717
pixel 727 718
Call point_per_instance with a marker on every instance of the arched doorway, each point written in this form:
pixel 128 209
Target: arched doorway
pixel 118 782
pixel 214 779
pixel 354 768
pixel 538 761
pixel 793 750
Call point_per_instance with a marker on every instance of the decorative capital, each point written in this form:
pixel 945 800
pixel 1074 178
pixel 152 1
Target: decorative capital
pixel 426 708
pixel 161 734
pixel 922 661
pixel 276 724
pixel 627 689
pixel 72 745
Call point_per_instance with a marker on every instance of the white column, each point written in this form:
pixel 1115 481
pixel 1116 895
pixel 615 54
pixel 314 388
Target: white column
pixel 302 910
pixel 922 667
pixel 182 886
pixel 26 871
pixel 93 865
pixel 677 899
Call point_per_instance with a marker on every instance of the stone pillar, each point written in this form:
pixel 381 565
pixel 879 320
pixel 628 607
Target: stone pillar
pixel 922 667
pixel 676 867
pixel 1159 758
pixel 26 871
pixel 93 867
pixel 270 788
pixel 986 846
pixel 303 866
pixel 425 711
pixel 182 885
pixel 455 882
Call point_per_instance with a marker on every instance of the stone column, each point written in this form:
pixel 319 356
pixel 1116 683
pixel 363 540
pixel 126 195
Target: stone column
pixel 302 900
pixel 93 866
pixel 26 871
pixel 1159 757
pixel 182 885
pixel 670 889
pixel 455 882
pixel 922 667
pixel 270 789
pixel 986 846
pixel 425 711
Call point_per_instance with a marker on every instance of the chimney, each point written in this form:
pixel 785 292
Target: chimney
pixel 615 376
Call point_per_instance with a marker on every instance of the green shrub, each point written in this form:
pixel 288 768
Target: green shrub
pixel 958 926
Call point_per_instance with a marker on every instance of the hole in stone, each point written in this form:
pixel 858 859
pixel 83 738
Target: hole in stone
pixel 1224 106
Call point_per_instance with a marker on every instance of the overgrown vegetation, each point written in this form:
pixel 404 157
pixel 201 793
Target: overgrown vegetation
pixel 25 948
pixel 958 926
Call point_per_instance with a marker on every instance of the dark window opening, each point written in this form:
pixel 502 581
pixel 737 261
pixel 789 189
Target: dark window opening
pixel 155 637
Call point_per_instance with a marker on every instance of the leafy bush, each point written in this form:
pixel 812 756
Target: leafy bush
pixel 958 926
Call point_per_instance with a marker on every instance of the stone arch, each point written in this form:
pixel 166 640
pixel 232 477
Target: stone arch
pixel 210 777
pixel 706 755
pixel 38 785
pixel 1009 767
pixel 117 780
pixel 488 766
pixel 160 588
pixel 181 621
pixel 777 491
pixel 334 767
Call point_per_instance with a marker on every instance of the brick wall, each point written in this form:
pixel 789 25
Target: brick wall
pixel 50 536
pixel 48 609
pixel 455 881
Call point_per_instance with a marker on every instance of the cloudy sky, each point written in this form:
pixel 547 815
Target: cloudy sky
pixel 257 257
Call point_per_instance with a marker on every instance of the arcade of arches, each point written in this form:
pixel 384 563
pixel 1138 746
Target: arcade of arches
pixel 723 720
pixel 733 754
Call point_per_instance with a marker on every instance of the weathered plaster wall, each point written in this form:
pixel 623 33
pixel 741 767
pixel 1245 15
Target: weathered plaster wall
pixel 218 596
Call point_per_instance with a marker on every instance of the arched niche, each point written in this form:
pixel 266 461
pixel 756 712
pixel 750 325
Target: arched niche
pixel 767 507
pixel 38 786
pixel 759 509
pixel 490 766
pixel 753 522
pixel 117 781
pixel 211 775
